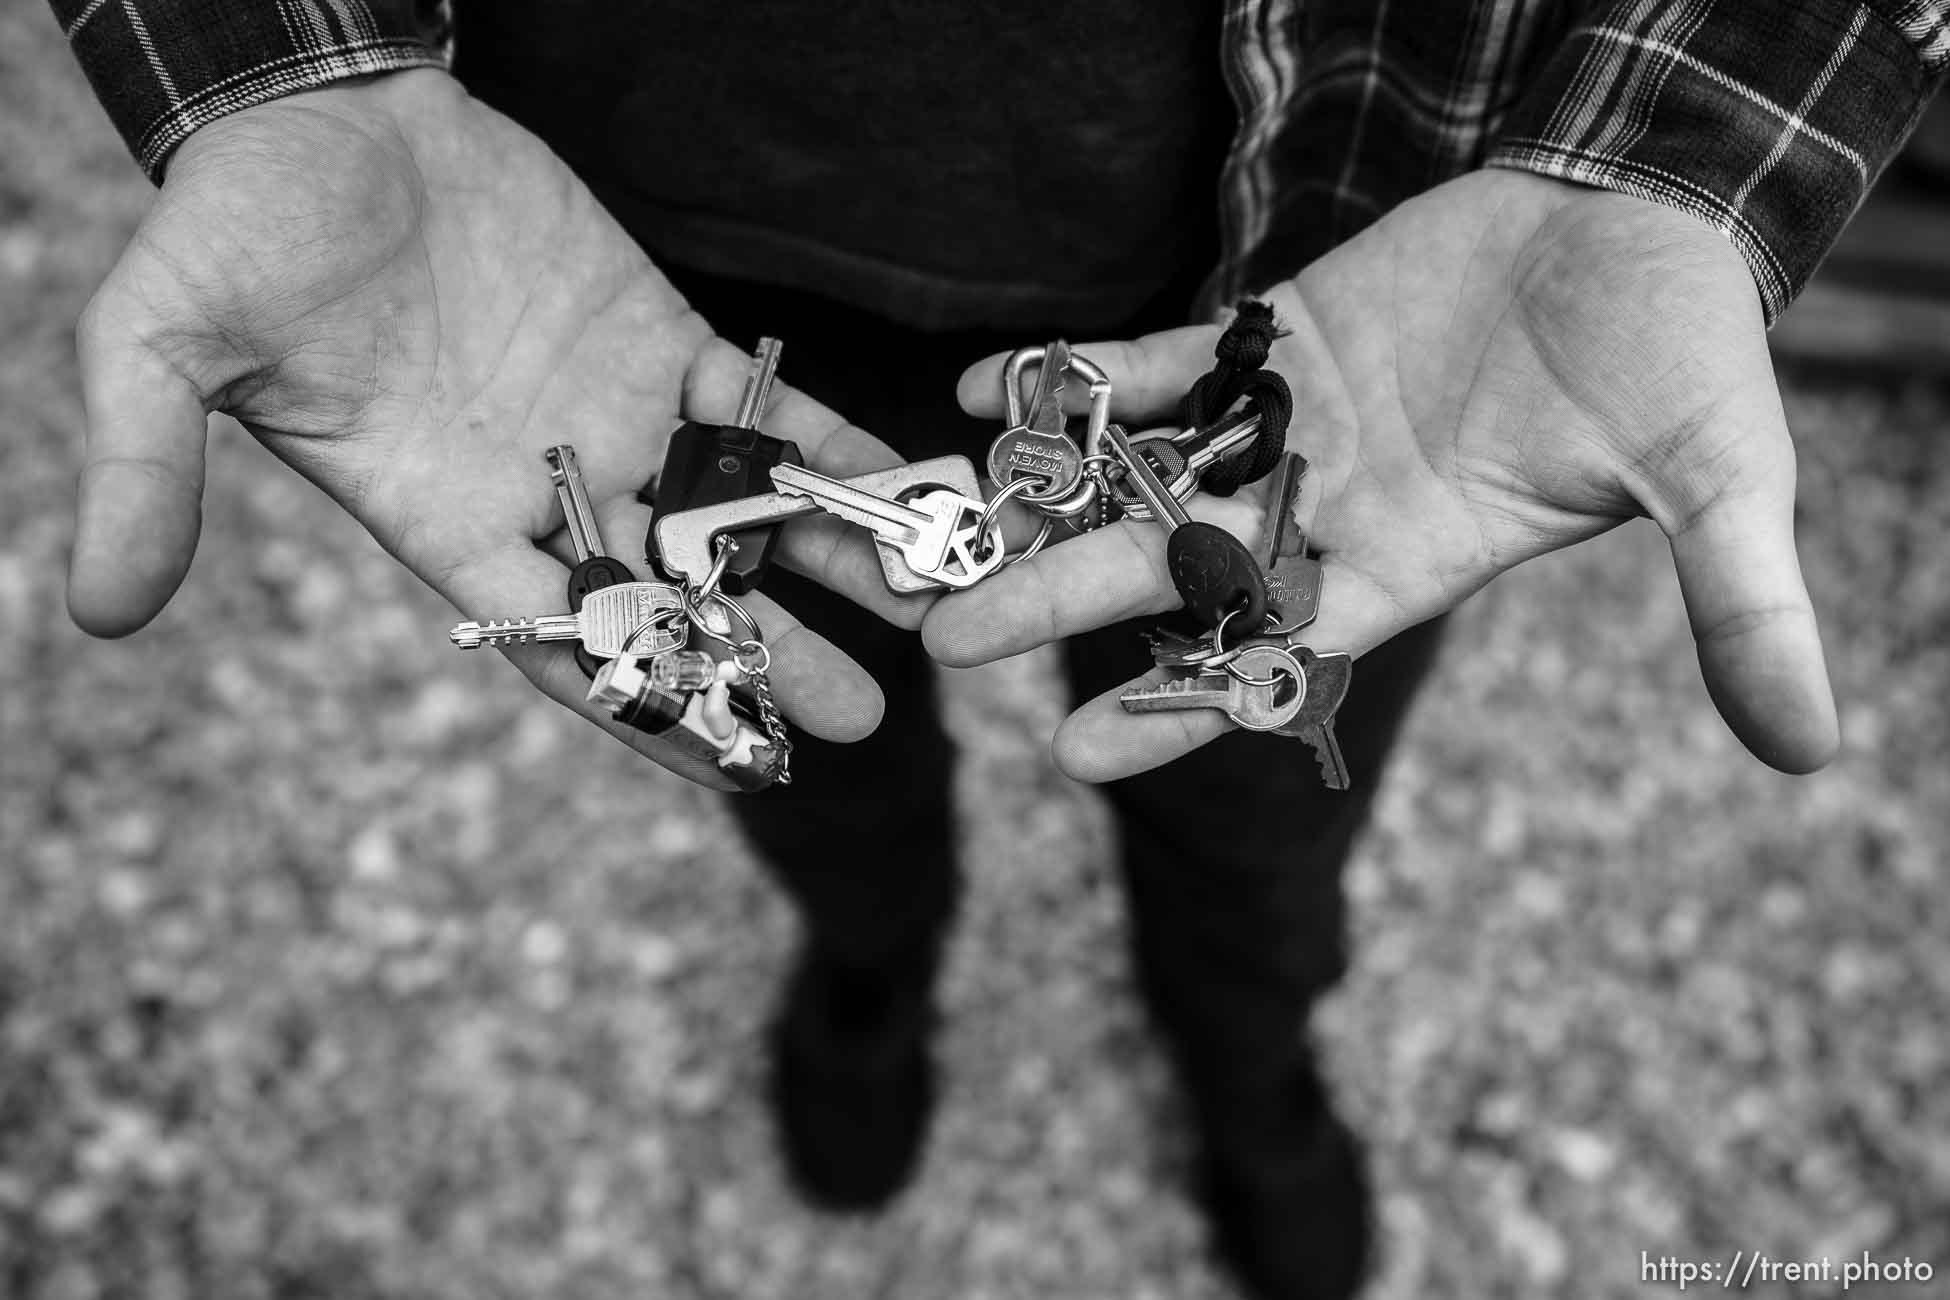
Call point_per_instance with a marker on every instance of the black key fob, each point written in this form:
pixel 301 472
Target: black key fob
pixel 596 571
pixel 710 464
pixel 1216 575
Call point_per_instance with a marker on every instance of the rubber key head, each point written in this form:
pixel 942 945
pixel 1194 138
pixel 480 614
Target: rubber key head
pixel 709 464
pixel 594 572
pixel 1215 575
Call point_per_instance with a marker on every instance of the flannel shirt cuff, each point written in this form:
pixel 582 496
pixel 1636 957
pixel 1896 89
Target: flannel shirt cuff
pixel 163 68
pixel 1768 122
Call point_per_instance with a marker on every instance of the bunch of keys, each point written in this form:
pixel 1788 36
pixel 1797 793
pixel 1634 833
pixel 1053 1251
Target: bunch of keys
pixel 1265 681
pixel 622 628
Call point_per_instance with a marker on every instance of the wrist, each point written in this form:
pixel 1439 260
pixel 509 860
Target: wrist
pixel 330 127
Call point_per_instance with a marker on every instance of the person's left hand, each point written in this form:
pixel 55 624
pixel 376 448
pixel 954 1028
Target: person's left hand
pixel 1501 367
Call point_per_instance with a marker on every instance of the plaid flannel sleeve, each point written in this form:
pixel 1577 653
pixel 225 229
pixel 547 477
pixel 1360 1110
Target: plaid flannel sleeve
pixel 1768 119
pixel 163 68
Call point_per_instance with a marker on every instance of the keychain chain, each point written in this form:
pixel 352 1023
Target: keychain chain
pixel 768 709
pixel 753 648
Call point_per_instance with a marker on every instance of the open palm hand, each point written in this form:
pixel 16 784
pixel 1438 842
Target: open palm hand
pixel 408 298
pixel 1502 367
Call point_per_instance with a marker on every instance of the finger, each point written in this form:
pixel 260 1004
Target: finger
pixel 843 558
pixel 1759 647
pixel 1148 376
pixel 1087 582
pixel 715 384
pixel 1101 742
pixel 818 686
pixel 140 492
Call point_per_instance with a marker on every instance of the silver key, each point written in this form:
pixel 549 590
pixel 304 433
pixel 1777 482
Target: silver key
pixel 608 618
pixel 1046 407
pixel 938 535
pixel 686 539
pixel 758 388
pixel 584 535
pixel 1037 445
pixel 1171 650
pixel 1233 434
pixel 1213 572
pixel 1328 677
pixel 1164 507
pixel 1265 707
pixel 1292 576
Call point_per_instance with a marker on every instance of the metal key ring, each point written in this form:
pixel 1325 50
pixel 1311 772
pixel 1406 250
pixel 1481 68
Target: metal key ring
pixel 1211 659
pixel 694 606
pixel 726 548
pixel 1218 647
pixel 1093 515
pixel 655 623
pixel 989 520
pixel 759 650
pixel 1041 493
pixel 1232 670
pixel 1086 491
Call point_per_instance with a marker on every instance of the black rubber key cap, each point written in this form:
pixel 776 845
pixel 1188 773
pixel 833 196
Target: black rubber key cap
pixel 1212 570
pixel 710 464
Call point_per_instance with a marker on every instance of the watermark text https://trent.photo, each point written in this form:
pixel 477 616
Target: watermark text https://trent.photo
pixel 1746 1268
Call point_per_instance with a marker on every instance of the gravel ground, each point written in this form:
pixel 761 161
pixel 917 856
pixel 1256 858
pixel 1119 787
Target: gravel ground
pixel 335 963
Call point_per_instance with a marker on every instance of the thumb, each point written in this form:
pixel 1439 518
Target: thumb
pixel 1759 648
pixel 1148 376
pixel 140 492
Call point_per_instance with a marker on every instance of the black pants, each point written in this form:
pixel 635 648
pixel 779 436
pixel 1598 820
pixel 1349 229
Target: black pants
pixel 1232 859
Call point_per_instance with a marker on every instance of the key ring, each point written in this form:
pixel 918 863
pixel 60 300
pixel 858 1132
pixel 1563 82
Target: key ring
pixel 655 623
pixel 725 548
pixel 1078 499
pixel 1218 648
pixel 987 523
pixel 758 649
pixel 694 605
pixel 1097 513
pixel 695 597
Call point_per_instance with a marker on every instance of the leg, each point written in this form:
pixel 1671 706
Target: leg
pixel 1232 859
pixel 862 840
pixel 893 788
pixel 829 837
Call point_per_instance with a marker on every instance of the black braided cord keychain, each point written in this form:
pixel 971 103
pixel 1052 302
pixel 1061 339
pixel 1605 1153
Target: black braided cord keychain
pixel 1241 376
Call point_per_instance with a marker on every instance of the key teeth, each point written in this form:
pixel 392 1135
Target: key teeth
pixel 497 632
pixel 1330 773
pixel 1138 696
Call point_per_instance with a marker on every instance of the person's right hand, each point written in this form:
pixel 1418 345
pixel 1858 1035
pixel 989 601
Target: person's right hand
pixel 408 298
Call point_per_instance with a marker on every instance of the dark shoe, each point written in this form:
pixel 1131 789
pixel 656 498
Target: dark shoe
pixel 1292 1218
pixel 853 1080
